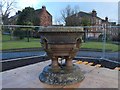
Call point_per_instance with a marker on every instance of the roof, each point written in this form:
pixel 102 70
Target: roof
pixel 113 23
pixel 84 14
pixel 12 18
pixel 40 10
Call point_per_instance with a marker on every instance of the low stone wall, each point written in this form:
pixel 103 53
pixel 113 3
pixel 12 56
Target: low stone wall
pixel 14 63
pixel 19 62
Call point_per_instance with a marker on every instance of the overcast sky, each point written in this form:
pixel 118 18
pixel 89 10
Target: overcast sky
pixel 103 7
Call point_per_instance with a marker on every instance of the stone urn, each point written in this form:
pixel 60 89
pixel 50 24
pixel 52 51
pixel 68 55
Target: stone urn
pixel 61 43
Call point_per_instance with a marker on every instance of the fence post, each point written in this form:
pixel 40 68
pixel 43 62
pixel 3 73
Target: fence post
pixel 104 41
pixel 84 34
pixel 28 35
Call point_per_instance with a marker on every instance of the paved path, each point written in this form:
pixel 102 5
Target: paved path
pixel 109 55
pixel 28 77
pixel 21 54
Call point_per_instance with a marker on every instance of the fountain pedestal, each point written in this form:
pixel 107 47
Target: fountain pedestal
pixel 61 42
pixel 62 76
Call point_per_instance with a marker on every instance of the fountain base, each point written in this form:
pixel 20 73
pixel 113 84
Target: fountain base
pixel 62 76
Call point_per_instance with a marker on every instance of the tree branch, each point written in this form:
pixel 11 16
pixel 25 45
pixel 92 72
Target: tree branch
pixel 68 11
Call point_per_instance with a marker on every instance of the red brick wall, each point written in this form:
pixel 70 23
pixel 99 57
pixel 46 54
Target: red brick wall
pixel 45 18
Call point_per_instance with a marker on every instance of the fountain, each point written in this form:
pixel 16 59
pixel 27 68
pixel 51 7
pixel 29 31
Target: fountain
pixel 61 43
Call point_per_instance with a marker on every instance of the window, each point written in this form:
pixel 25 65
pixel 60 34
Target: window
pixel 99 21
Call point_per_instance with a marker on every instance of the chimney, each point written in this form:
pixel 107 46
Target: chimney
pixel 106 19
pixel 94 14
pixel 43 8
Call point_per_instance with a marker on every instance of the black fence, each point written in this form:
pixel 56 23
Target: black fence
pixel 19 33
pixel 27 38
pixel 29 33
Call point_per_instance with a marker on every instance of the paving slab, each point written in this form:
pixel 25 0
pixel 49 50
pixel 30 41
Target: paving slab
pixel 28 77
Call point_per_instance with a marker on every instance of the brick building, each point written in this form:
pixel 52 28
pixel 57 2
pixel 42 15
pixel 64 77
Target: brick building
pixel 90 19
pixel 44 16
pixel 41 18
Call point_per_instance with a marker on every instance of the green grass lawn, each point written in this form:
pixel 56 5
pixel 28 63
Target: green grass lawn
pixel 99 45
pixel 35 43
pixel 6 37
pixel 20 44
pixel 32 44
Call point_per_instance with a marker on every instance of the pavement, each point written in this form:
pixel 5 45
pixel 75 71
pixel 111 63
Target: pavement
pixel 108 55
pixel 28 77
pixel 9 55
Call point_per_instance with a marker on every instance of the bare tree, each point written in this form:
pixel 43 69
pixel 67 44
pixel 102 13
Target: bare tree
pixel 58 21
pixel 68 11
pixel 76 9
pixel 7 6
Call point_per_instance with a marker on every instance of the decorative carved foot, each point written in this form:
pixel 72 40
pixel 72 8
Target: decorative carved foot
pixel 55 65
pixel 69 63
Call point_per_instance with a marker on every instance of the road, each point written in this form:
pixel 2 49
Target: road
pixel 108 55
